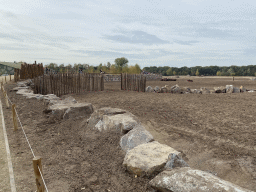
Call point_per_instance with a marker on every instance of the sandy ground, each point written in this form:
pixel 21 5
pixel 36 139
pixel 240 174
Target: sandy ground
pixel 215 133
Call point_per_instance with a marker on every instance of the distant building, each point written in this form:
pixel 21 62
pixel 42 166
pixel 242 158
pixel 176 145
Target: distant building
pixel 8 67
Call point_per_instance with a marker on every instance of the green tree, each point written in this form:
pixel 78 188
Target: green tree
pixel 197 72
pixel 218 73
pixel 174 73
pixel 169 72
pixel 137 68
pixel 120 63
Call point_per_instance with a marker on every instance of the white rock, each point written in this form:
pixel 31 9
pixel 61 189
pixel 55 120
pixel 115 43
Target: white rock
pixel 191 180
pixel 157 89
pixel 147 158
pixel 204 90
pixel 112 118
pixel 137 136
pixel 149 89
pixel 229 89
pixel 236 90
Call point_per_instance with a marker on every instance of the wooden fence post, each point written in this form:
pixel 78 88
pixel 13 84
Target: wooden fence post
pixel 6 100
pixel 121 81
pixel 14 118
pixel 5 79
pixel 10 77
pixel 39 181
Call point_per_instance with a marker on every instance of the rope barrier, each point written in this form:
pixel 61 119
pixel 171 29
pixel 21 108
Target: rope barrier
pixel 28 144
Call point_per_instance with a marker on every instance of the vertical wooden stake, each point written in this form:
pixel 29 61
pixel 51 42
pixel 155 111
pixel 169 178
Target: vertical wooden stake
pixel 10 77
pixel 39 181
pixel 14 118
pixel 5 79
pixel 6 100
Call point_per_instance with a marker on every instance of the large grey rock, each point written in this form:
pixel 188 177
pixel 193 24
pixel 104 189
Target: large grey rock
pixel 204 90
pixel 175 89
pixel 242 89
pixel 78 110
pixel 149 89
pixel 157 89
pixel 19 88
pixel 148 158
pixel 236 90
pixel 112 118
pixel 229 89
pixel 25 92
pixel 191 180
pixel 196 91
pixel 221 89
pixel 69 108
pixel 163 90
pixel 187 90
pixel 137 136
pixel 123 122
pixel 175 161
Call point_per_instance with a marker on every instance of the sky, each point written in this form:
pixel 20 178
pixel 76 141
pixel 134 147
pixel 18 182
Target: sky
pixel 150 33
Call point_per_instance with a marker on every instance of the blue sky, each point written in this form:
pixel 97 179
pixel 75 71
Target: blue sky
pixel 150 33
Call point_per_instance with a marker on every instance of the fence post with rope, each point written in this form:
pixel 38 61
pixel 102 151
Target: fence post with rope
pixel 40 183
pixel 14 118
pixel 6 100
pixel 38 172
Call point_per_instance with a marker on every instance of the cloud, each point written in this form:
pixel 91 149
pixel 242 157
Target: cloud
pixel 185 42
pixel 137 37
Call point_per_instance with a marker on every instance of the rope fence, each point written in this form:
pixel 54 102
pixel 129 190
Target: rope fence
pixel 40 182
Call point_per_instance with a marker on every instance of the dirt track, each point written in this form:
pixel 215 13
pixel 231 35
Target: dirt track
pixel 215 132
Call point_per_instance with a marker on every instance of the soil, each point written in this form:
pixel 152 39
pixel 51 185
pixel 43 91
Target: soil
pixel 214 132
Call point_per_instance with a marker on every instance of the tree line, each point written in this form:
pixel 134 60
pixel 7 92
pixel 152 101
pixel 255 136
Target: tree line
pixel 232 70
pixel 120 66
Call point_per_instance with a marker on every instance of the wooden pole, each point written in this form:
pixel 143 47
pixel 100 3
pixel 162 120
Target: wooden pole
pixel 10 77
pixel 121 81
pixel 14 118
pixel 6 100
pixel 39 181
pixel 5 79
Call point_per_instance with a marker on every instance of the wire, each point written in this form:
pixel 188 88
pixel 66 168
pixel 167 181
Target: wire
pixel 25 134
pixel 28 143
pixel 42 178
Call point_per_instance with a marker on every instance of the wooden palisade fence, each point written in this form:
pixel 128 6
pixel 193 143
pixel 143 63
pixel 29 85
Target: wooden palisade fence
pixel 65 83
pixel 133 82
pixel 28 71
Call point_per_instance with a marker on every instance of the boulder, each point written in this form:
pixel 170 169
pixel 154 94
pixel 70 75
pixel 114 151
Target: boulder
pixel 19 88
pixel 78 110
pixel 24 92
pixel 229 89
pixel 137 136
pixel 242 89
pixel 149 89
pixel 121 122
pixel 236 90
pixel 175 89
pixel 112 118
pixel 148 158
pixel 204 90
pixel 196 91
pixel 163 90
pixel 70 110
pixel 175 161
pixel 157 89
pixel 186 89
pixel 192 180
pixel 221 89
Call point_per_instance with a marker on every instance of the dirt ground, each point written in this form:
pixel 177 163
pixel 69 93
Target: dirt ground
pixel 215 133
